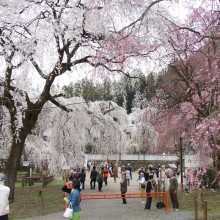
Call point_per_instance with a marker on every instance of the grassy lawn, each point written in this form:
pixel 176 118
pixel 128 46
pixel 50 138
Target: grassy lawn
pixel 29 203
pixel 213 199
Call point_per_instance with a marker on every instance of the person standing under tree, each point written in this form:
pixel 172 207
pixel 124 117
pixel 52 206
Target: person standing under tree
pixel 173 191
pixel 4 196
pixel 123 185
pixel 149 188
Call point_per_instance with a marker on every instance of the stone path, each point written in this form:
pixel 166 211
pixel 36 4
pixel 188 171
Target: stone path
pixel 113 209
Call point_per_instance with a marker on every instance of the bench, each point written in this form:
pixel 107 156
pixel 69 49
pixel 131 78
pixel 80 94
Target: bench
pixel 31 180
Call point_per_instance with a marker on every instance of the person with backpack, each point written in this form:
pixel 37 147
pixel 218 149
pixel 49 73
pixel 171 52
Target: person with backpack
pixel 93 175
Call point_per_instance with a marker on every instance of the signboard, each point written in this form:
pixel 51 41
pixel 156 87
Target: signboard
pixel 65 167
pixel 194 161
pixel 26 163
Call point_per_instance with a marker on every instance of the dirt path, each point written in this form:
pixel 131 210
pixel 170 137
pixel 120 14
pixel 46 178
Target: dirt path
pixel 113 209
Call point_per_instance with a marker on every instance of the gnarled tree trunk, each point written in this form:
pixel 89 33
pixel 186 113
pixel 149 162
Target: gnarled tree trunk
pixel 12 165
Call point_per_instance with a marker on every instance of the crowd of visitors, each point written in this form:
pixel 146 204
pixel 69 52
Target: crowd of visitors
pixel 153 178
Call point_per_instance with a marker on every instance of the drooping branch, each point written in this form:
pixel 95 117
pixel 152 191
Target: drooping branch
pixel 140 19
pixel 59 105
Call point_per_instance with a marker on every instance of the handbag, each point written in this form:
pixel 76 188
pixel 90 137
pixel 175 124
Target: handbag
pixel 143 185
pixel 69 211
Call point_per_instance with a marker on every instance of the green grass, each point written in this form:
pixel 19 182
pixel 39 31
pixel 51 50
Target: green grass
pixel 212 198
pixel 29 203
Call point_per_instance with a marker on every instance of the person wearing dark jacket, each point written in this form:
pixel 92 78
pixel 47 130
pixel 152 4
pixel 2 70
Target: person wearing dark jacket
pixel 149 188
pixel 68 187
pixel 82 177
pixel 93 175
pixel 173 191
pixel 123 185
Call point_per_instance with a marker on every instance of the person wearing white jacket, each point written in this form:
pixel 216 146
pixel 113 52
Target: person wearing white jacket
pixel 4 195
pixel 142 186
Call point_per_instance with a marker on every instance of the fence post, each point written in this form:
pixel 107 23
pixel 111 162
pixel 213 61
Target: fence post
pixel 202 199
pixel 196 207
pixel 167 202
pixel 64 202
pixel 42 202
pixel 205 210
pixel 23 181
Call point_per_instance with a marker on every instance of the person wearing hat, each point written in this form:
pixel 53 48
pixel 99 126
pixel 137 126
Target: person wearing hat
pixel 4 195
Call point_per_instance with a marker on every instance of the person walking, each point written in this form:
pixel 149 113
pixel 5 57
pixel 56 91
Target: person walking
pixel 123 185
pixel 99 179
pixel 4 196
pixel 173 191
pixel 105 175
pixel 115 171
pixel 149 188
pixel 82 178
pixel 93 175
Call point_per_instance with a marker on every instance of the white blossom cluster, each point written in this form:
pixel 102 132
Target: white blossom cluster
pixel 61 138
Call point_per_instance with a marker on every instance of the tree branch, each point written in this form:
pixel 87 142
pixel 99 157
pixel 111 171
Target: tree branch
pixel 59 105
pixel 141 17
pixel 37 68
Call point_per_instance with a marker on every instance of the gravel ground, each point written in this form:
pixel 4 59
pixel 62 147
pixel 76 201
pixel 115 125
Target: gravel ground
pixel 113 209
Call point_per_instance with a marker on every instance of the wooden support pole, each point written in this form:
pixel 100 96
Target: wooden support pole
pixel 181 163
pixel 205 210
pixel 196 208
